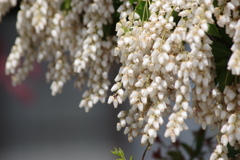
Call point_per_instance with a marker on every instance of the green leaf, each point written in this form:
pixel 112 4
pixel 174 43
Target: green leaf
pixel 220 50
pixel 221 55
pixel 225 37
pixel 107 30
pixel 218 71
pixel 232 152
pixel 199 141
pixel 131 158
pixel 222 62
pixel 176 17
pixel 188 149
pixel 225 79
pixel 142 10
pixel 119 153
pixel 132 1
pixel 66 5
pixel 215 3
pixel 213 30
pixel 113 152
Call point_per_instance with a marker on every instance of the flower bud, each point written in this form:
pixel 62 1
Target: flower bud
pixel 126 130
pixel 224 140
pixel 232 118
pixel 144 139
pixel 121 114
pixel 119 126
pixel 213 156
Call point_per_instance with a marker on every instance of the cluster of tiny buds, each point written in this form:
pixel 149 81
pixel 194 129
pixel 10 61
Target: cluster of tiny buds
pixel 160 53
pixel 71 46
pixel 175 125
pixel 227 14
pixel 227 117
pixel 220 153
pixel 95 52
pixel 230 125
pixel 39 11
pixel 162 60
pixel 59 71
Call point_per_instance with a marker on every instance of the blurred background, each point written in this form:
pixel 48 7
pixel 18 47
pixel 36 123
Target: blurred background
pixel 37 126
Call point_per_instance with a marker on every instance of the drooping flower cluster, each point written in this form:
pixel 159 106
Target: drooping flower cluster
pixel 72 46
pixel 156 68
pixel 227 14
pixel 161 78
pixel 158 75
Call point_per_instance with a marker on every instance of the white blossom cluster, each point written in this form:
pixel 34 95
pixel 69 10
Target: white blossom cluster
pixel 161 78
pixel 73 47
pixel 156 69
pixel 157 74
pixel 5 5
pixel 227 14
pixel 229 123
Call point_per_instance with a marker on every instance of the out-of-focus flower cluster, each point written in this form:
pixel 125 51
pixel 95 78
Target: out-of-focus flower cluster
pixel 157 74
pixel 74 45
pixel 5 5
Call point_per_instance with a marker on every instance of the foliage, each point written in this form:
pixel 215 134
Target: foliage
pixel 66 6
pixel 120 154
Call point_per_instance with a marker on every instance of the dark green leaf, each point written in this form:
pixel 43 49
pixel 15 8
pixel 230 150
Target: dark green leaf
pixel 132 1
pixel 220 50
pixel 66 5
pixel 225 38
pixel 213 30
pixel 232 152
pixel 218 71
pixel 222 62
pixel 107 30
pixel 221 55
pixel 199 141
pixel 188 149
pixel 215 3
pixel 176 17
pixel 225 79
pixel 142 10
pixel 175 14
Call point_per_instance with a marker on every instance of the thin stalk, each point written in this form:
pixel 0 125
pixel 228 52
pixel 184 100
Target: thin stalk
pixel 144 153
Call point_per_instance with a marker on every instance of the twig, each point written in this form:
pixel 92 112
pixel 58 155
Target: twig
pixel 145 151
